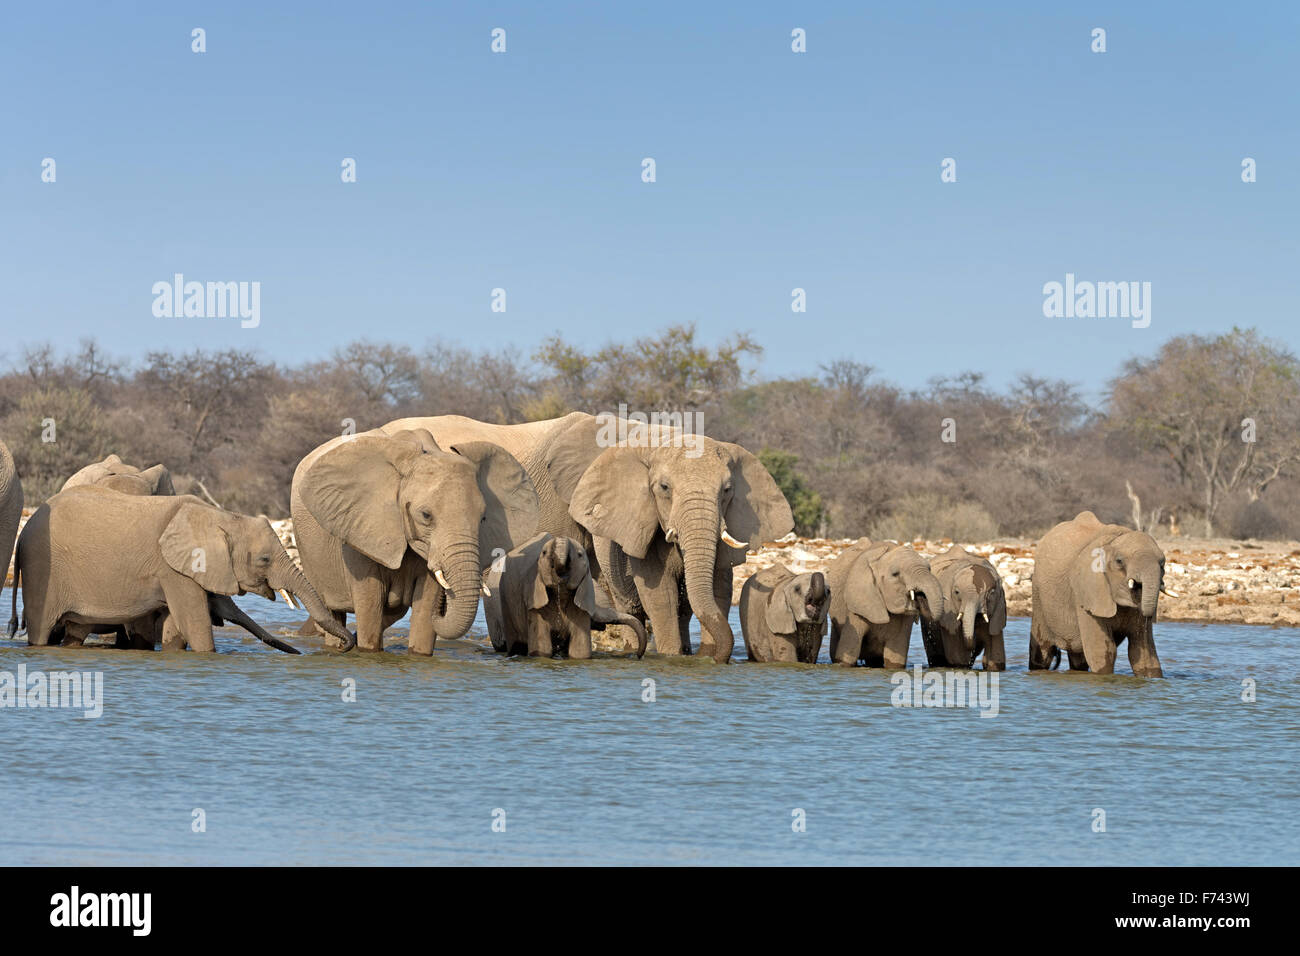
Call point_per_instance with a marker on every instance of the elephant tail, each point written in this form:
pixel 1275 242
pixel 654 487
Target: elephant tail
pixel 13 613
pixel 1056 658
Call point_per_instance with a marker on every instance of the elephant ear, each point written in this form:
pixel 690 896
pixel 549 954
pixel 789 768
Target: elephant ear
pixel 508 492
pixel 758 510
pixel 779 616
pixel 1091 588
pixel 195 544
pixel 998 619
pixel 571 453
pixel 584 589
pixel 420 436
pixel 160 479
pixel 613 500
pixel 862 593
pixel 351 490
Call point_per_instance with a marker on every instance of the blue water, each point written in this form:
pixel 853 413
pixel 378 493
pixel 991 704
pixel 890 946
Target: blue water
pixel 710 772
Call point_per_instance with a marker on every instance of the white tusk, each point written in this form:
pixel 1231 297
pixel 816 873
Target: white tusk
pixel 911 595
pixel 670 535
pixel 1131 584
pixel 442 579
pixel 959 614
pixel 487 591
pixel 732 541
pixel 287 600
pixel 985 615
pixel 1173 594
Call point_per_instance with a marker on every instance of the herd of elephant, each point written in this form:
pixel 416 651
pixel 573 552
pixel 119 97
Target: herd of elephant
pixel 574 532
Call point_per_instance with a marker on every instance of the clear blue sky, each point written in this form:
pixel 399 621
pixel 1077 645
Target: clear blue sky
pixel 775 170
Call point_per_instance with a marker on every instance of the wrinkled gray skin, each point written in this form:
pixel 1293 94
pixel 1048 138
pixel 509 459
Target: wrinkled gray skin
pixel 11 506
pixel 91 557
pixel 974 613
pixel 114 473
pixel 783 615
pixel 1096 585
pixel 657 514
pixel 380 518
pixel 877 590
pixel 543 602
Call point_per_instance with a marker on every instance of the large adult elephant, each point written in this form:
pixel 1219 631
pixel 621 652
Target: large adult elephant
pixel 387 523
pixel 91 557
pixel 1096 585
pixel 11 508
pixel 116 474
pixel 665 516
pixel 878 588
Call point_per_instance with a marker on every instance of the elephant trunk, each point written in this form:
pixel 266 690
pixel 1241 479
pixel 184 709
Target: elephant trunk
pixel 287 576
pixel 461 580
pixel 701 524
pixel 817 588
pixel 969 610
pixel 1149 578
pixel 607 615
pixel 927 585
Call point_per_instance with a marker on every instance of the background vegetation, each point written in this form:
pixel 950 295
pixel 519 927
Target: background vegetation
pixel 854 453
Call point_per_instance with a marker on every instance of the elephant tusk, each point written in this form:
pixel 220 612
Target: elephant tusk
pixel 442 579
pixel 911 595
pixel 1172 594
pixel 959 614
pixel 487 591
pixel 1131 584
pixel 670 535
pixel 985 615
pixel 287 599
pixel 732 541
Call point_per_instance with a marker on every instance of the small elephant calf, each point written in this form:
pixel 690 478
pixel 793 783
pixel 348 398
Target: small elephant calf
pixel 783 615
pixel 974 613
pixel 543 602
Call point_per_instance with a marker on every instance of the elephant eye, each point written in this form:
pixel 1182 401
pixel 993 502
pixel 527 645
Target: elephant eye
pixel 263 560
pixel 663 486
pixel 426 515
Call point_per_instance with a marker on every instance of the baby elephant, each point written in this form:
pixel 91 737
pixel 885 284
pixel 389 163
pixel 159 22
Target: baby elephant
pixel 543 602
pixel 783 615
pixel 974 613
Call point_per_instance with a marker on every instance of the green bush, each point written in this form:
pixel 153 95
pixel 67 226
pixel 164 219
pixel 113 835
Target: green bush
pixel 805 504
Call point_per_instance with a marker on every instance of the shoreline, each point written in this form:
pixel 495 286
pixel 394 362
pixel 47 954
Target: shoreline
pixel 1217 580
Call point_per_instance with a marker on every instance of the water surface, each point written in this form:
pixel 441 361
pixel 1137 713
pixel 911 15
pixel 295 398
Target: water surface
pixel 710 772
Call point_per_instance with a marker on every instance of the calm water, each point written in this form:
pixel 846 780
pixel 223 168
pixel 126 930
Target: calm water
pixel 411 773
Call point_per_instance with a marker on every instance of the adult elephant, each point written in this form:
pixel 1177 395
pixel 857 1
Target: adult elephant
pixel 1096 585
pixel 185 556
pixel 878 588
pixel 11 507
pixel 666 515
pixel 116 474
pixel 387 523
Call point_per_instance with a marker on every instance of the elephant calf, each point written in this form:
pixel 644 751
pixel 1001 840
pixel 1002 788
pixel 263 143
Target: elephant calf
pixel 783 615
pixel 974 613
pixel 1096 585
pixel 542 601
pixel 877 591
pixel 91 557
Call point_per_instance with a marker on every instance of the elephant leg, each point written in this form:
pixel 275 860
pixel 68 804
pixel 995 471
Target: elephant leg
pixel 1142 651
pixel 187 608
pixel 368 596
pixel 580 642
pixel 74 635
pixel 539 636
pixel 846 643
pixel 172 638
pixel 1098 646
pixel 1078 661
pixel 898 635
pixel 995 653
pixel 422 638
pixel 1040 648
pixel 661 606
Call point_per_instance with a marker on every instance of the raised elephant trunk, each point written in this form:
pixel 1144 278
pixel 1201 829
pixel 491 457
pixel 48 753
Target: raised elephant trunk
pixel 457 569
pixel 285 574
pixel 816 588
pixel 698 539
pixel 926 585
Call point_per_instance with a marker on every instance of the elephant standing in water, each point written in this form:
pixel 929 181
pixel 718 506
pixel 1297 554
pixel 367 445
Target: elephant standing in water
pixel 387 523
pixel 91 557
pixel 974 613
pixel 783 615
pixel 877 591
pixel 11 507
pixel 1094 586
pixel 664 514
pixel 114 473
pixel 542 601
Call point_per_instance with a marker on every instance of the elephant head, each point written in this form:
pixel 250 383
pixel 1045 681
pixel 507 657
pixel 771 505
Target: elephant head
pixel 114 473
pixel 563 565
pixel 801 599
pixel 382 495
pixel 891 580
pixel 228 553
pixel 712 499
pixel 1119 568
pixel 975 592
